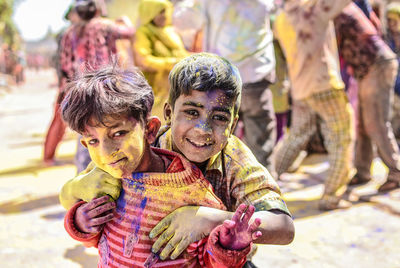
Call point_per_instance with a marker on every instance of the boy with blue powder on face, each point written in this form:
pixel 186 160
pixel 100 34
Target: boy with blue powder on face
pixel 201 114
pixel 111 109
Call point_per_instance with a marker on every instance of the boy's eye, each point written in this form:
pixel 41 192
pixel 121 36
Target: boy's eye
pixel 93 141
pixel 220 118
pixel 120 133
pixel 191 112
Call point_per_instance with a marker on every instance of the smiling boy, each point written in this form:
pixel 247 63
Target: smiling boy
pixel 110 108
pixel 201 114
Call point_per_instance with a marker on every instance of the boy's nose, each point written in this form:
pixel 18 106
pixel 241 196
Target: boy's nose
pixel 109 149
pixel 204 127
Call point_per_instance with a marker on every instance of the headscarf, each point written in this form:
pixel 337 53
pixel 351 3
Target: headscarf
pixel 149 9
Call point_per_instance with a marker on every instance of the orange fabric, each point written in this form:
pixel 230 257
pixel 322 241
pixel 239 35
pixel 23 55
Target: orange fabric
pixel 54 135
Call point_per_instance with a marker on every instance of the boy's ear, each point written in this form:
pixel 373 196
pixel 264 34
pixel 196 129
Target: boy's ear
pixel 167 113
pixel 152 127
pixel 83 142
pixel 235 121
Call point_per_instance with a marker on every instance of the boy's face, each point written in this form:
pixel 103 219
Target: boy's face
pixel 201 123
pixel 118 147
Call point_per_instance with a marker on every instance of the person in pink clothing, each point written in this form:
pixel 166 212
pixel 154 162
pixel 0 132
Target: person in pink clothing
pixel 90 42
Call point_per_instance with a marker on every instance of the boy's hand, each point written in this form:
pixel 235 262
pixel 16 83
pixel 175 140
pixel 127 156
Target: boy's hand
pixel 90 217
pixel 180 228
pixel 237 234
pixel 91 185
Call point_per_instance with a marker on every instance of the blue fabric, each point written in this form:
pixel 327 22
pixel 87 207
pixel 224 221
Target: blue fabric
pixel 364 6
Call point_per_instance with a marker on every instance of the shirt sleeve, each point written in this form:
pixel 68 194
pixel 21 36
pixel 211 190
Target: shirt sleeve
pixel 88 240
pixel 251 181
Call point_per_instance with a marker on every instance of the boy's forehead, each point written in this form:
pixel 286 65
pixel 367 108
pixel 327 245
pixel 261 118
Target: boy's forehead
pixel 215 97
pixel 109 121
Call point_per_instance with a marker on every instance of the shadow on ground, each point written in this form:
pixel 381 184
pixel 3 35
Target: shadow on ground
pixel 26 203
pixel 37 165
pixel 78 255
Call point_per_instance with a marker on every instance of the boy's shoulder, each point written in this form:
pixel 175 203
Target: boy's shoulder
pixel 238 151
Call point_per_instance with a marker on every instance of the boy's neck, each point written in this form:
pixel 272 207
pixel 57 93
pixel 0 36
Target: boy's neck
pixel 151 162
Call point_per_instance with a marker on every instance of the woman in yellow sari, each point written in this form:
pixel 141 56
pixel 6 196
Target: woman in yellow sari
pixel 157 48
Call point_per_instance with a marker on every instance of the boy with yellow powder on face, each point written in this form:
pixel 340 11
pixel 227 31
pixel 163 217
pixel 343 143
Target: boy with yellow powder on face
pixel 201 114
pixel 110 108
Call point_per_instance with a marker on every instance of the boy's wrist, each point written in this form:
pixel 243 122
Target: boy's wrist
pixel 216 216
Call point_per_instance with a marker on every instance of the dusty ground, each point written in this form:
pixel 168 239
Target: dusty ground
pixel 32 233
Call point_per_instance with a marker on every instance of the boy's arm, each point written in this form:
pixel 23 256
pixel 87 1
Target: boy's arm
pixel 89 184
pixel 84 221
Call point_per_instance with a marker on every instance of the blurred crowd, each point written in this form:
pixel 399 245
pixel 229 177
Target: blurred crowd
pixel 318 76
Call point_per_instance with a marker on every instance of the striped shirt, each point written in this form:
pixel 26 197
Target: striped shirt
pixel 145 200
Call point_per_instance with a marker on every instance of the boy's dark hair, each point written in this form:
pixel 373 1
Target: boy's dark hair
pixel 108 91
pixel 205 72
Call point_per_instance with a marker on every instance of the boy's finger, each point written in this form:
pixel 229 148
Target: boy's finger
pixel 101 209
pixel 170 247
pixel 239 212
pixel 183 244
pixel 249 212
pixel 229 224
pixel 256 235
pixel 160 227
pixel 96 202
pixel 101 220
pixel 95 229
pixel 164 238
pixel 256 223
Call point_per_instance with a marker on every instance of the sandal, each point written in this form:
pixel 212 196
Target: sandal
pixel 357 180
pixel 388 186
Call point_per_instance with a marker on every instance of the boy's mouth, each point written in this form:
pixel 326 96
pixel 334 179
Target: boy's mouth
pixel 119 160
pixel 199 144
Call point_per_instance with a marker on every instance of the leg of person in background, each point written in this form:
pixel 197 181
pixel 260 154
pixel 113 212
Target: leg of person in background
pixel 337 115
pixel 54 136
pixel 281 124
pixel 303 126
pixel 376 90
pixel 257 114
pixel 395 121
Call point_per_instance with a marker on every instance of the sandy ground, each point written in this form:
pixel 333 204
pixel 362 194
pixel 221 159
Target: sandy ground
pixel 32 233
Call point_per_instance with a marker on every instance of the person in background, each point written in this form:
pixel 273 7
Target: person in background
pixel 89 43
pixel 57 127
pixel 240 32
pixel 374 66
pixel 157 48
pixel 306 34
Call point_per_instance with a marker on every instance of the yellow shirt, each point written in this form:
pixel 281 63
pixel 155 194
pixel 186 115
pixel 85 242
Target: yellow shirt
pixel 237 177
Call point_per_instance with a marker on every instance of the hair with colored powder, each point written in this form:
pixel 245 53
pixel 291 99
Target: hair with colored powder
pixel 205 72
pixel 107 91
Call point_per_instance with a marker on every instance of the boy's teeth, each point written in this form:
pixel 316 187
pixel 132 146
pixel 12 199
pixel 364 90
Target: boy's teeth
pixel 200 144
